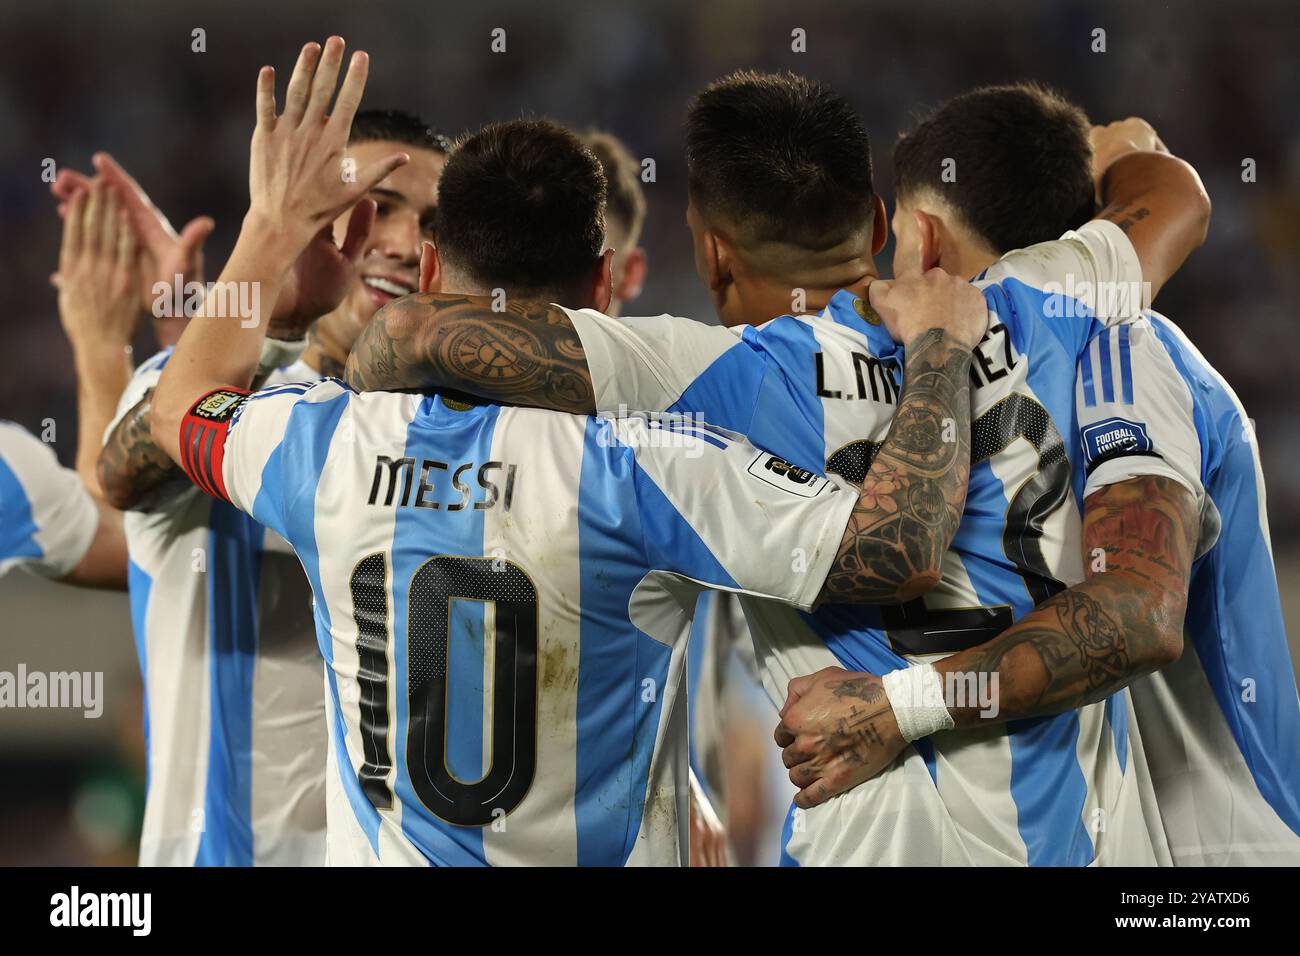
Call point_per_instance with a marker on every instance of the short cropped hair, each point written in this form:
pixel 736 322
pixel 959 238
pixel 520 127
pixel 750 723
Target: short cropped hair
pixel 1020 158
pixel 521 206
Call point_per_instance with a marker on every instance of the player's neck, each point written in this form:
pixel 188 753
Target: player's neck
pixel 323 357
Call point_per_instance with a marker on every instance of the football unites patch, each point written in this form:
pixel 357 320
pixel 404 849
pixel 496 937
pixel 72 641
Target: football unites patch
pixel 1115 438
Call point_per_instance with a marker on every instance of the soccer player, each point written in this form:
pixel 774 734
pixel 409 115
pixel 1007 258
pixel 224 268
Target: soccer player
pixel 49 523
pixel 1170 473
pixel 1169 448
pixel 222 612
pixel 52 520
pixel 426 525
pixel 782 212
pixel 624 215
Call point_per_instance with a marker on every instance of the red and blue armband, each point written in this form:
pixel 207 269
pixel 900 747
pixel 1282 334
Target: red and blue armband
pixel 203 438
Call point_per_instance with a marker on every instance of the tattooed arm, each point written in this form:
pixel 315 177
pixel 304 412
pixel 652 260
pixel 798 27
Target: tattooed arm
pixel 135 473
pixel 1124 621
pixel 529 354
pixel 838 728
pixel 1157 199
pixel 911 501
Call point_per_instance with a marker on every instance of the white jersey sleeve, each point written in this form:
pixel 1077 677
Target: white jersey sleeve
pixel 721 512
pixel 646 363
pixel 1095 264
pixel 47 518
pixel 1135 412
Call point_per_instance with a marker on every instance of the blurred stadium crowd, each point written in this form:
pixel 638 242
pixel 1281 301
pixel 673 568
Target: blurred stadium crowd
pixel 1216 81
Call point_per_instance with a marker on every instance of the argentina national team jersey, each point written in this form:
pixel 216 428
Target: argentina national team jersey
pixel 234 689
pixel 821 391
pixel 1222 723
pixel 503 598
pixel 47 518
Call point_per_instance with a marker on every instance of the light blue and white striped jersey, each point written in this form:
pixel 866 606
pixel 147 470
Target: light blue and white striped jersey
pixel 47 518
pixel 1222 724
pixel 234 689
pixel 821 391
pixel 503 598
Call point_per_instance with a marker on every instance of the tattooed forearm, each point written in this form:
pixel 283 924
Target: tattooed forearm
pixel 911 501
pixel 529 354
pixel 133 471
pixel 1099 636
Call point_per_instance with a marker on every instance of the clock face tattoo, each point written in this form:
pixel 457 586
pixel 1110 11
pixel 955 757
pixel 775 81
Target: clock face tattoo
pixel 505 356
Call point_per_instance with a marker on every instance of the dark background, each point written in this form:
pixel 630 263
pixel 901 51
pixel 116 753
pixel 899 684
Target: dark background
pixel 1219 82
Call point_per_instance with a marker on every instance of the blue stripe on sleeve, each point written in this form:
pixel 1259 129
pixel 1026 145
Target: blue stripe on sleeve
pixel 1107 375
pixel 1125 365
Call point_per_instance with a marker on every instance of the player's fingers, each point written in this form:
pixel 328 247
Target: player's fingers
pixel 151 225
pixel 377 171
pixel 326 78
pixel 878 293
pixel 108 221
pixel 71 247
pixel 813 795
pixel 91 218
pixel 266 98
pixel 782 735
pixel 359 225
pixel 126 246
pixel 799 686
pixel 195 233
pixel 796 754
pixel 349 98
pixel 67 182
pixel 295 97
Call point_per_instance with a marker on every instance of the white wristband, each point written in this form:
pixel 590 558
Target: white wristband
pixel 916 695
pixel 277 353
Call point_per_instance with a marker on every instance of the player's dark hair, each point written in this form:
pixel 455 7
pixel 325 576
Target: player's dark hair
pixel 398 126
pixel 780 157
pixel 521 207
pixel 1020 158
pixel 624 198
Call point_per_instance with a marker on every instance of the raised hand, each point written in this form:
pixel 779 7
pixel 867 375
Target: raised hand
pixel 299 182
pixel 97 280
pixel 164 253
pixel 98 272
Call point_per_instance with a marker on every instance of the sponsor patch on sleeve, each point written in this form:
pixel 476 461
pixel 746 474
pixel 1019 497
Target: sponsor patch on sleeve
pixel 779 473
pixel 1115 438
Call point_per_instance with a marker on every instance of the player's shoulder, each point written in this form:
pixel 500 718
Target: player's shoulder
pixel 1087 273
pixel 22 450
pixel 848 322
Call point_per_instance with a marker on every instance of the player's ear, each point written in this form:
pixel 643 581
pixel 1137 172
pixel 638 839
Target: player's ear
pixel 929 239
pixel 602 282
pixel 430 268
pixel 632 280
pixel 716 256
pixel 879 227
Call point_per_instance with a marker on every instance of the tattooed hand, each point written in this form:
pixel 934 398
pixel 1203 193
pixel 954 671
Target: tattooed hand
pixel 837 730
pixel 933 301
